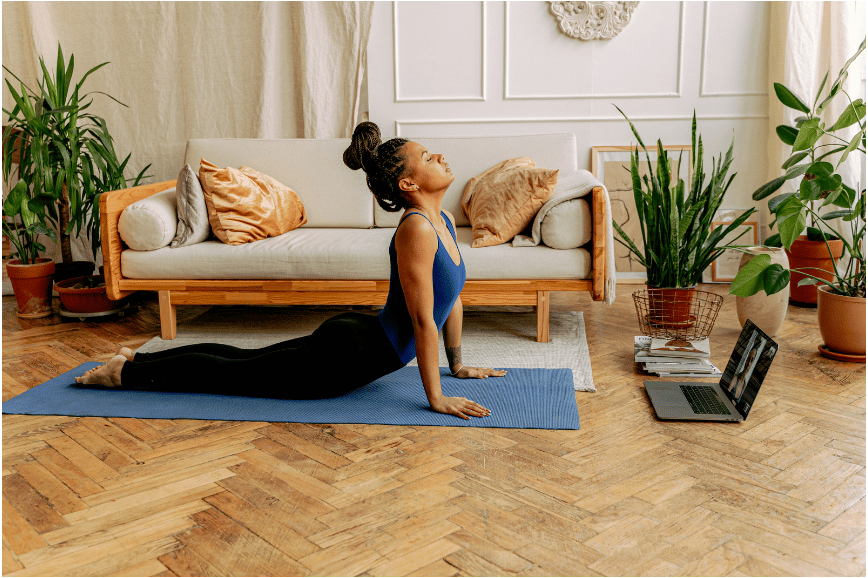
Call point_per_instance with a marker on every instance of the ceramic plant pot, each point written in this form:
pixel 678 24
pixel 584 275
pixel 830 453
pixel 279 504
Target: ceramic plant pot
pixel 811 255
pixel 766 311
pixel 32 286
pixel 842 323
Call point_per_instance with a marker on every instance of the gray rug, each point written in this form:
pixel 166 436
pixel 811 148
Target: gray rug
pixel 491 337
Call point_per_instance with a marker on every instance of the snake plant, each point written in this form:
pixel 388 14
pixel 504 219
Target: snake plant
pixel 675 218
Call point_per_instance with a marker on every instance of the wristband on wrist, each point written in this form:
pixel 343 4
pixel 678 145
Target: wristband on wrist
pixel 457 370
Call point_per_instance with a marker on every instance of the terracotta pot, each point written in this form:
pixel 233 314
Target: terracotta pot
pixel 766 311
pixel 87 300
pixel 32 286
pixel 671 307
pixel 804 254
pixel 842 322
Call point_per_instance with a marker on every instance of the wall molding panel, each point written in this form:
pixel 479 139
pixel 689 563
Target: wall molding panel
pixel 676 93
pixel 440 98
pixel 704 65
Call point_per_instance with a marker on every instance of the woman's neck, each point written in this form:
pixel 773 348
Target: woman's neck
pixel 431 207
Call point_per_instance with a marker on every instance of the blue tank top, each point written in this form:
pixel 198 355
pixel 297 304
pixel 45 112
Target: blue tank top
pixel 448 281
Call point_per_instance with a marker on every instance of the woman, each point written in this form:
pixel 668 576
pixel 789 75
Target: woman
pixel 349 350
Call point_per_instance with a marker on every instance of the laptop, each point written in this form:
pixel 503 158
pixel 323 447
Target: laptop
pixel 728 400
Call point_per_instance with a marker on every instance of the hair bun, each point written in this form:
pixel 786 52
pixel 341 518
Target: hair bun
pixel 363 148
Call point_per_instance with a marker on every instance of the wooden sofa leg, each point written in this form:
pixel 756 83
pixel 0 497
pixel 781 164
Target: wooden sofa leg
pixel 542 316
pixel 168 320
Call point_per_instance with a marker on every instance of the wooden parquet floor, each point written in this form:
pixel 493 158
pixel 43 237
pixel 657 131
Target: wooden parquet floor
pixel 782 494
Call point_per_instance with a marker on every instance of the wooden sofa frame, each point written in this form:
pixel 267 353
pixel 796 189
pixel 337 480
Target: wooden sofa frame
pixel 174 292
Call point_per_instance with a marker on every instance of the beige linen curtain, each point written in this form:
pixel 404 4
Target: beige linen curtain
pixel 200 69
pixel 806 40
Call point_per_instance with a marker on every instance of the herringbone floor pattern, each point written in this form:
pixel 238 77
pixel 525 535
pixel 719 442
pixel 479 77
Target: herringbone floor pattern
pixel 782 494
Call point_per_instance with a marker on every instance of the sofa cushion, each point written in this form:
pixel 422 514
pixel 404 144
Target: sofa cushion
pixel 193 225
pixel 502 201
pixel 245 205
pixel 151 223
pixel 362 254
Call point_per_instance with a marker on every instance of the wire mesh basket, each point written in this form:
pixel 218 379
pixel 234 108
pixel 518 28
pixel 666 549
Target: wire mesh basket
pixel 677 313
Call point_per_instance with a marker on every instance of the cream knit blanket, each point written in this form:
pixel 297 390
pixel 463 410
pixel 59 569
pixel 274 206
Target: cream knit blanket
pixel 573 185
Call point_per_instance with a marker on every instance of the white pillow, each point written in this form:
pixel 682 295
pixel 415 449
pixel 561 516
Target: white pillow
pixel 567 225
pixel 151 223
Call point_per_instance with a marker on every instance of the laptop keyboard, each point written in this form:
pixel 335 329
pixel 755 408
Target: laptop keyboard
pixel 703 399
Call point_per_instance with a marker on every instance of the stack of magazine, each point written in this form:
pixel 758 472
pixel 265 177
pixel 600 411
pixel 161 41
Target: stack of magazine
pixel 675 357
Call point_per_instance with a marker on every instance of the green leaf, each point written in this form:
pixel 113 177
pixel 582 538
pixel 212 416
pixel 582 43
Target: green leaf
pixel 791 220
pixel 851 115
pixel 775 279
pixel 808 135
pixel 852 146
pixel 822 86
pixel 633 128
pixel 830 152
pixel 787 134
pixel 837 214
pixel 749 280
pixel 773 240
pixel 795 158
pixel 812 189
pixel 807 281
pixel 815 234
pixel 774 203
pixel 787 98
pixel 835 88
pixel 12 204
pixel 769 188
pixel 820 169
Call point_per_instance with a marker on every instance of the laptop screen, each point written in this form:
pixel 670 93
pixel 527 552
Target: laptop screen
pixel 747 367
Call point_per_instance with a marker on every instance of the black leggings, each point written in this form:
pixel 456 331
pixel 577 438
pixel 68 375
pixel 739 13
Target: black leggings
pixel 344 353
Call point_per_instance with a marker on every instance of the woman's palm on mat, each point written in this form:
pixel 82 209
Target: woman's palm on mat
pixel 461 406
pixel 479 372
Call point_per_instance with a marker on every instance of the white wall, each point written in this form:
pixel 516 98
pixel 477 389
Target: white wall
pixel 487 68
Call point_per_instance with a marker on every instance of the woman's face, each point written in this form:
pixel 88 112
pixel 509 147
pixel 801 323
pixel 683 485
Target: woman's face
pixel 429 171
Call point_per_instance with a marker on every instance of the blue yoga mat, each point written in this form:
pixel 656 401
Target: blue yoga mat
pixel 524 398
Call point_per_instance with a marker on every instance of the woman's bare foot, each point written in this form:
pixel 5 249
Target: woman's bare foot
pixel 126 352
pixel 107 375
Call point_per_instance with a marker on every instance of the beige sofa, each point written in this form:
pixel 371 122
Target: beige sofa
pixel 340 256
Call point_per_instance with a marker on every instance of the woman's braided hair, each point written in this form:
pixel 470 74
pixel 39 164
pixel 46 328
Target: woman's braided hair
pixel 383 163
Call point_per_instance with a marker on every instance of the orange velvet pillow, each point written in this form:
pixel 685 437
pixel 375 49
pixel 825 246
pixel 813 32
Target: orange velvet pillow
pixel 246 205
pixel 501 202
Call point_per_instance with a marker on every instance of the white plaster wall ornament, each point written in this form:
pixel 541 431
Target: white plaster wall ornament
pixel 594 19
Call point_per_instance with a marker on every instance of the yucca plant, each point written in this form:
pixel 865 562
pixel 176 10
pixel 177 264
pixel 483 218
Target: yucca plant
pixel 66 157
pixel 676 220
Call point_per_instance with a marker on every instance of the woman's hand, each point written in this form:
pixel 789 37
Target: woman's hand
pixel 465 372
pixel 460 406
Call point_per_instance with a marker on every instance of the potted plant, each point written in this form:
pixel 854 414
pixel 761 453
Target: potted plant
pixel 29 274
pixel 65 155
pixel 65 152
pixel 821 186
pixel 675 220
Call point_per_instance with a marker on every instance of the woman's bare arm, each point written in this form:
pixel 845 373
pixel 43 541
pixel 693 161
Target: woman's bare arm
pixel 416 246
